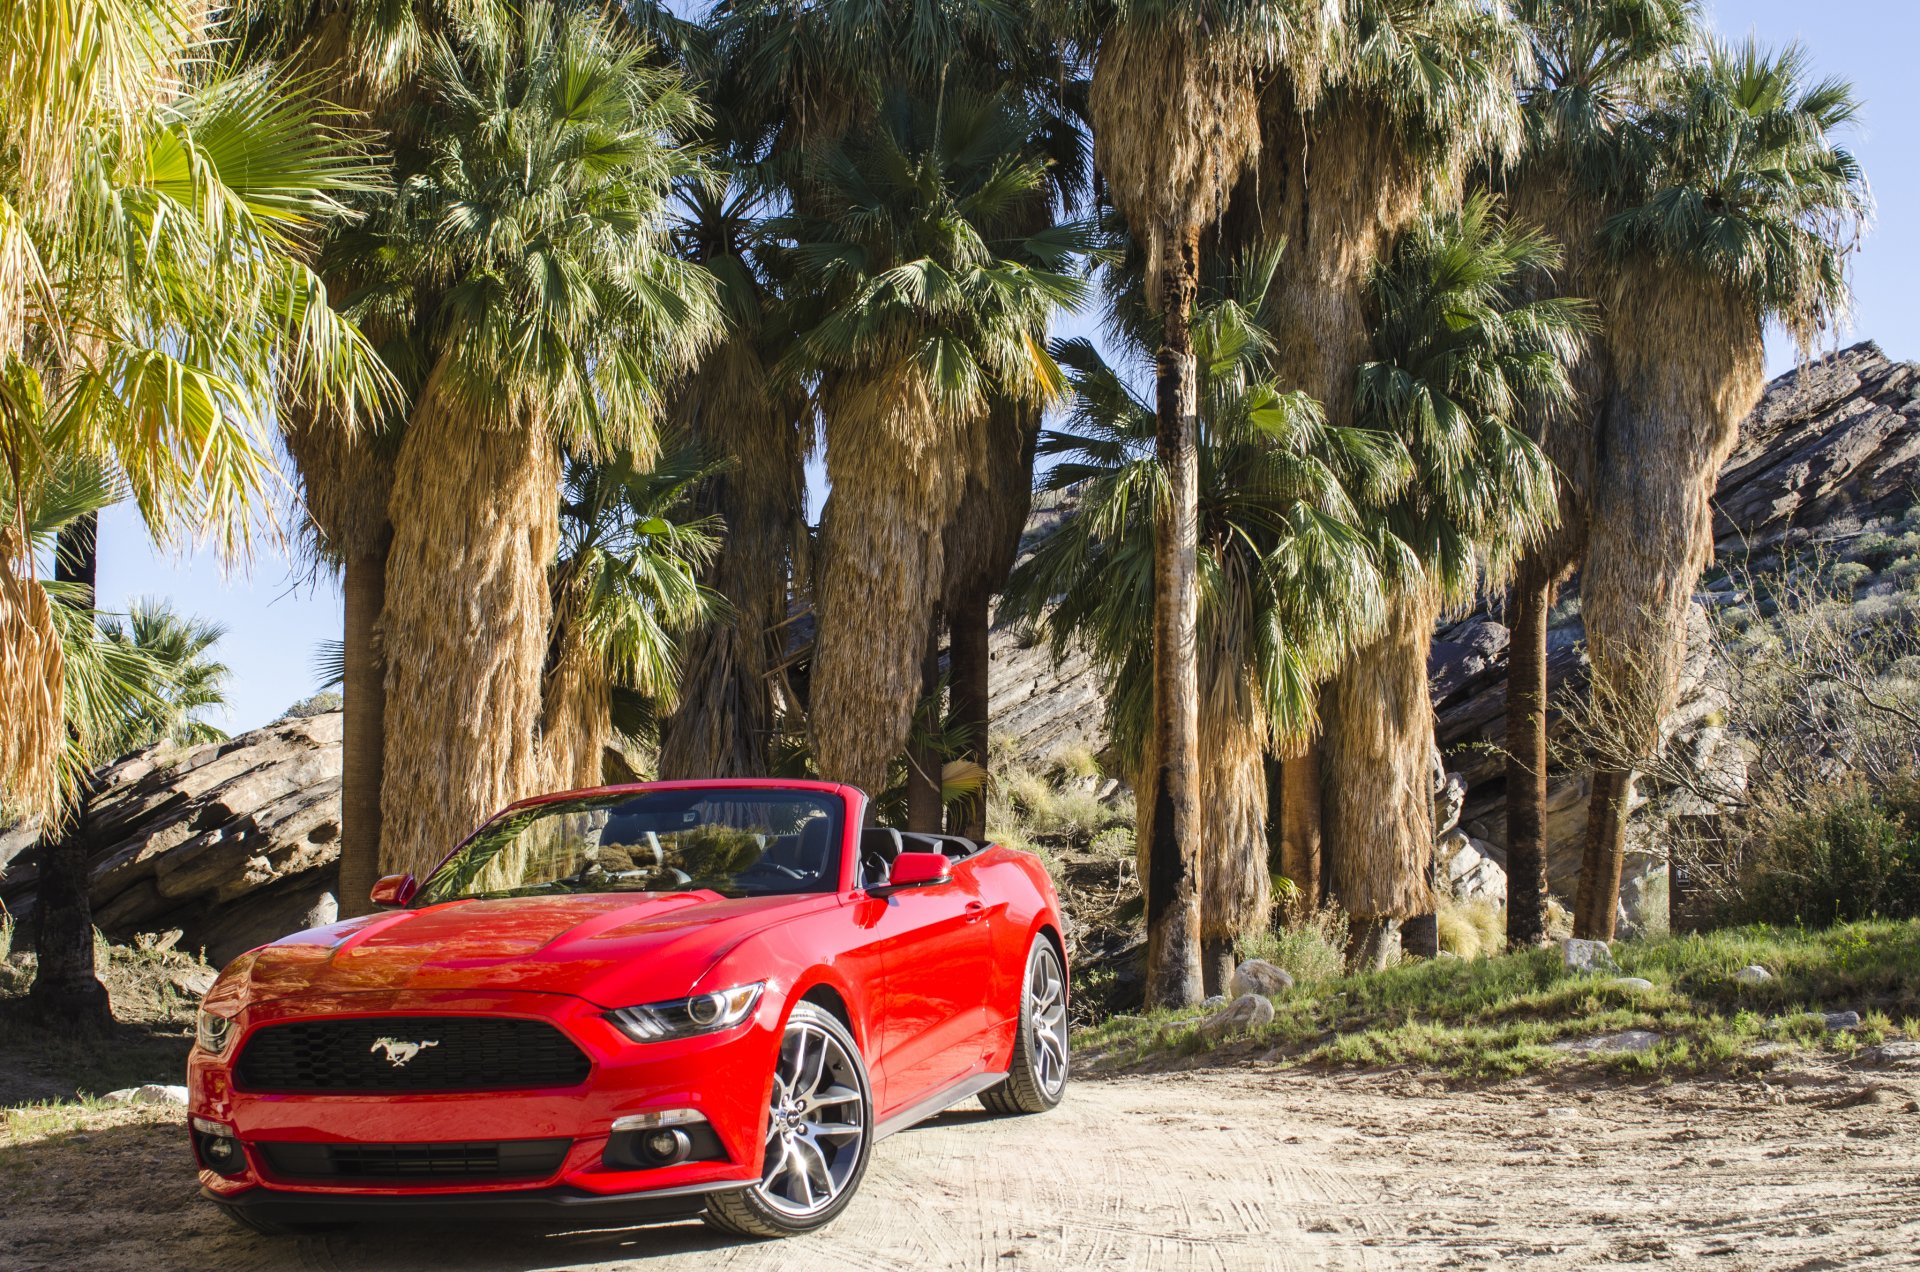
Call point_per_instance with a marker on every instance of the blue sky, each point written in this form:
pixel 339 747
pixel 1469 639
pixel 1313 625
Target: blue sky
pixel 276 612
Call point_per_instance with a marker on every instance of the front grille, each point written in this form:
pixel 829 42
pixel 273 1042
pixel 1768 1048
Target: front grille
pixel 491 1159
pixel 455 1053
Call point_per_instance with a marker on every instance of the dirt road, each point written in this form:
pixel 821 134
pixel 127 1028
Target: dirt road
pixel 1245 1168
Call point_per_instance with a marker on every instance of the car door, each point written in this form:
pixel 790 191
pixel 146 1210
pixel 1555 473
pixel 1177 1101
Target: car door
pixel 935 948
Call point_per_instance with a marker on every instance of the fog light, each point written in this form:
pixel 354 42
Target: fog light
pixel 667 1147
pixel 217 1148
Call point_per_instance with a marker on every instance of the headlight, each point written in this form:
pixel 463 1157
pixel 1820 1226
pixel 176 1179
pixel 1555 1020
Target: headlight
pixel 212 1032
pixel 685 1017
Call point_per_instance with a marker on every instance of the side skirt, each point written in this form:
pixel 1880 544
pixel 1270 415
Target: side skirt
pixel 940 1101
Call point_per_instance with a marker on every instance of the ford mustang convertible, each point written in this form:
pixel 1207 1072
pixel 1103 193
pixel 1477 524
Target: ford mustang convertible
pixel 629 1004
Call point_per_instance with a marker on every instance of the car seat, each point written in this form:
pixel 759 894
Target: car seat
pixel 879 845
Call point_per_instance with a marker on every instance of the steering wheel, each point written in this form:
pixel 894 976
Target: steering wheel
pixel 774 868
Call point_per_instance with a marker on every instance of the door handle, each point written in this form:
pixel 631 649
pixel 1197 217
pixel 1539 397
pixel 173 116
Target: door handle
pixel 975 911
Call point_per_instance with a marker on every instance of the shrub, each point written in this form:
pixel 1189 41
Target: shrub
pixel 1851 856
pixel 1313 947
pixel 1472 929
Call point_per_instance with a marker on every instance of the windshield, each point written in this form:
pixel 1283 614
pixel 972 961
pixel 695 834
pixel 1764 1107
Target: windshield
pixel 737 842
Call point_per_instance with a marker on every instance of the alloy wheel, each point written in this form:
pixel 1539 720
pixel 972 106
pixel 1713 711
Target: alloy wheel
pixel 1047 1012
pixel 815 1123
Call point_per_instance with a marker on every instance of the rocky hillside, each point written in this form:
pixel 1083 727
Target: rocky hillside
pixel 234 842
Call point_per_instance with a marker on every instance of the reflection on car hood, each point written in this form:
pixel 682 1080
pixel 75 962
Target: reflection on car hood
pixel 605 947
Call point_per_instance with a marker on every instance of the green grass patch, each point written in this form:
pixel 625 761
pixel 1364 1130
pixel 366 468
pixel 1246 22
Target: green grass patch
pixel 1501 1016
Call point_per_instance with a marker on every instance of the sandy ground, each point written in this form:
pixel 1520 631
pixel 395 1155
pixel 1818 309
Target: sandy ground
pixel 1241 1168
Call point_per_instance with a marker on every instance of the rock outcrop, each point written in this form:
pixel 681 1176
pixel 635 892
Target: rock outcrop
pixel 181 838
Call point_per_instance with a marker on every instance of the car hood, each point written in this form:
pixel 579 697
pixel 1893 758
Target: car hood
pixel 614 949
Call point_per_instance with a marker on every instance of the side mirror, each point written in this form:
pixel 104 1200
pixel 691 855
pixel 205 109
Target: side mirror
pixel 918 869
pixel 394 891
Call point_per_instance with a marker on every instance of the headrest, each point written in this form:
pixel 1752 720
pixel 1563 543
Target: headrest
pixel 884 840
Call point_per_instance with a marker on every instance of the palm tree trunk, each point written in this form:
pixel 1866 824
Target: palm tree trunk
pixel 1170 814
pixel 1527 758
pixel 968 669
pixel 363 740
pixel 1379 744
pixel 1300 843
pixel 923 752
pixel 474 517
pixel 66 987
pixel 1236 888
pixel 1598 902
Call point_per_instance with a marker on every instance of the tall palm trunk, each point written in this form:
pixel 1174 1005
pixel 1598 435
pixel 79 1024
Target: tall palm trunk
pixel 724 720
pixel 896 480
pixel 1300 848
pixel 65 985
pixel 1169 819
pixel 1336 191
pixel 924 809
pixel 364 731
pixel 576 720
pixel 347 477
pixel 1527 758
pixel 982 542
pixel 1668 426
pixel 1236 890
pixel 474 517
pixel 1379 737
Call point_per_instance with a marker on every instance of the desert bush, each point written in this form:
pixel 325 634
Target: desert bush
pixel 1821 691
pixel 1472 929
pixel 1312 947
pixel 1852 855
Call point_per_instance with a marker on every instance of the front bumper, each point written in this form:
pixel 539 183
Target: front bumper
pixel 726 1077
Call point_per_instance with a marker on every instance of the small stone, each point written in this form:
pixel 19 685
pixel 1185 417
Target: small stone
pixel 1753 974
pixel 1841 1020
pixel 1217 1001
pixel 1902 1053
pixel 1586 956
pixel 1257 976
pixel 1634 1040
pixel 152 1093
pixel 1635 983
pixel 194 984
pixel 1245 1013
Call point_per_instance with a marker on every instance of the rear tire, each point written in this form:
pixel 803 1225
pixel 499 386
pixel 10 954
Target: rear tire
pixel 819 1134
pixel 1037 1078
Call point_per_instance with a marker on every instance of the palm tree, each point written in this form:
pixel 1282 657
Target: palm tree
pixel 626 590
pixel 733 405
pixel 1461 356
pixel 522 264
pixel 1287 578
pixel 1384 121
pixel 189 680
pixel 1749 212
pixel 112 691
pixel 926 304
pixel 1175 110
pixel 1595 66
pixel 153 304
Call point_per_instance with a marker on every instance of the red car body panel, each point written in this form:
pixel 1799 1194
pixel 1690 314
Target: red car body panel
pixel 928 979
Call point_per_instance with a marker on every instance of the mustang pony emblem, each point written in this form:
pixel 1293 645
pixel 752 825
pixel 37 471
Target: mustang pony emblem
pixel 398 1052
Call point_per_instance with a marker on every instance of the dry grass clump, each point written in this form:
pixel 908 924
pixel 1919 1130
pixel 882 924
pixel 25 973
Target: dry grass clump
pixel 1311 948
pixel 1472 929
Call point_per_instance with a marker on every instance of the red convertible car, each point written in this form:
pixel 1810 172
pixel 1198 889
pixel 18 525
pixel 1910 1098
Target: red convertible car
pixel 628 1004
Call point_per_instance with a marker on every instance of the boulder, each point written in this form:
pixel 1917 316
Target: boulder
pixel 1577 955
pixel 152 1093
pixel 1752 974
pixel 1257 976
pixel 1840 1021
pixel 1637 984
pixel 1472 872
pixel 1243 1014
pixel 1634 1040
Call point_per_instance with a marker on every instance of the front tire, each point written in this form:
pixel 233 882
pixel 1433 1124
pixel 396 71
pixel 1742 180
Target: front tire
pixel 1037 1078
pixel 819 1134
